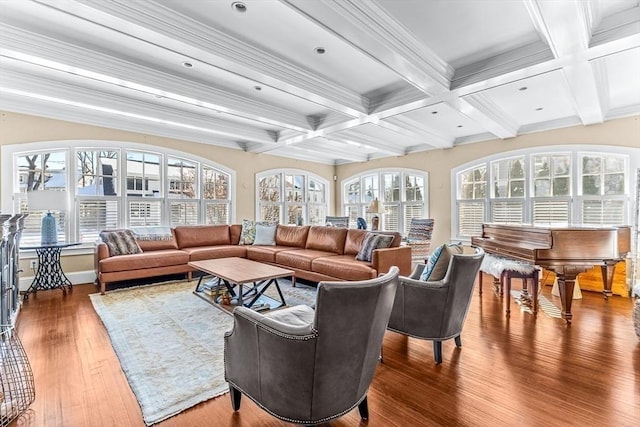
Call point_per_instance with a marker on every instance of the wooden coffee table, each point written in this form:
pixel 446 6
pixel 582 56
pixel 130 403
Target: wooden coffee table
pixel 235 271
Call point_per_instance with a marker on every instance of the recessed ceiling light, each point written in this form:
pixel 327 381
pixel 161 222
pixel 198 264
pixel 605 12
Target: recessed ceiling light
pixel 459 126
pixel 523 88
pixel 539 109
pixel 320 50
pixel 258 88
pixel 239 7
pixel 187 64
pixel 434 112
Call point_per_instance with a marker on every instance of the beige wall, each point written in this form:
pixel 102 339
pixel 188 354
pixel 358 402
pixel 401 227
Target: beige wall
pixel 18 128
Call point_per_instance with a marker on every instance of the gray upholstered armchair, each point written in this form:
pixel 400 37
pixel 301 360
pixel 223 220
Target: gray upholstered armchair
pixel 436 310
pixel 308 366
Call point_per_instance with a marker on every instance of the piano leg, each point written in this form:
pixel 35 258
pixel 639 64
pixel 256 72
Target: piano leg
pixel 608 268
pixel 565 287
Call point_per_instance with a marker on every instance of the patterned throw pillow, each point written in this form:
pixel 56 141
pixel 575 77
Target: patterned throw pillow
pixel 371 242
pixel 248 233
pixel 438 262
pixel 120 242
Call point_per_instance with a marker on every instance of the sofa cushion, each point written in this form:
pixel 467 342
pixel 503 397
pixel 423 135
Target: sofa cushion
pixel 265 235
pixel 328 239
pixel 344 267
pixel 300 258
pixel 372 242
pixel 354 241
pixel 189 236
pixel 218 251
pixel 265 253
pixel 438 262
pixel 144 260
pixel 235 230
pixel 120 242
pixel 156 245
pixel 292 235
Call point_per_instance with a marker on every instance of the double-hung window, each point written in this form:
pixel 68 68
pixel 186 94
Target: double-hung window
pixel 402 193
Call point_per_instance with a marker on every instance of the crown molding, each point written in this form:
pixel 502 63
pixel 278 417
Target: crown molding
pixel 500 65
pixel 619 26
pixel 370 28
pixel 178 33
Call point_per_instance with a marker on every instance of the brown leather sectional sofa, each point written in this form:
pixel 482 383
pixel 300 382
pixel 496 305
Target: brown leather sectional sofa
pixel 314 252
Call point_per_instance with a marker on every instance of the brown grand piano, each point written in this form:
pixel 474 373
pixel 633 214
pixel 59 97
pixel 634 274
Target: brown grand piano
pixel 567 251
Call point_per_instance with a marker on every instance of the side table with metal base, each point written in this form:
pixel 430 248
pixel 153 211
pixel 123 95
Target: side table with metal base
pixel 49 274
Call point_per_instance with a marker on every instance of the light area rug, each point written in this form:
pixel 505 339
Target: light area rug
pixel 170 343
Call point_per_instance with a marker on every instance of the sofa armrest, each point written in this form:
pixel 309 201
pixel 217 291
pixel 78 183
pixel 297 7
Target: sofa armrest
pixel 101 252
pixel 383 259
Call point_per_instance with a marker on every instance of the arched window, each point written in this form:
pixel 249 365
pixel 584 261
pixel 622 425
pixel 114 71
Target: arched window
pixel 550 186
pixel 291 196
pixel 402 192
pixel 114 185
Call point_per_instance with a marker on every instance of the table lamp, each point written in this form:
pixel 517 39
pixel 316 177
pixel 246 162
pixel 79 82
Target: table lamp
pixel 376 208
pixel 48 200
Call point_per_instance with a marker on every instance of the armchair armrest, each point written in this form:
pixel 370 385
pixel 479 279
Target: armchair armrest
pixel 383 259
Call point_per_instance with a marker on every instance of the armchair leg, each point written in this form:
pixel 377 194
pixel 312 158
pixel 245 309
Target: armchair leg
pixel 236 396
pixel 458 341
pixel 437 351
pixel 363 407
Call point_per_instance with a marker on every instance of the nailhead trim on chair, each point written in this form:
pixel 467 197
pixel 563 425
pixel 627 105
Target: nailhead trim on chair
pixel 313 335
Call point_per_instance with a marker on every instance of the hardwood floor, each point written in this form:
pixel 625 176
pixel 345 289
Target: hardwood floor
pixel 519 370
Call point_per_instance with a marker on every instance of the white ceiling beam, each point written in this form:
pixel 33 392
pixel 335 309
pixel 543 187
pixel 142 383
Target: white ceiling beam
pixel 24 85
pixel 566 27
pixel 19 45
pixel 368 27
pixel 163 28
pixel 481 109
pixel 417 132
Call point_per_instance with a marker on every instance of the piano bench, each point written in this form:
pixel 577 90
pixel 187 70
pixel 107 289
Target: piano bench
pixel 505 269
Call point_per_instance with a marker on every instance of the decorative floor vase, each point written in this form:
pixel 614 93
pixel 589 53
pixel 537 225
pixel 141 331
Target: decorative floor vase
pixel 49 231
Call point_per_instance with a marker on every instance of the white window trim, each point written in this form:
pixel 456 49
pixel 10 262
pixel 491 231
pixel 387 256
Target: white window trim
pixel 283 203
pixel 573 150
pixel 10 176
pixel 379 172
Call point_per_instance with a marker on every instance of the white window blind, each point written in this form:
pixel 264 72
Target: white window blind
pixel 551 212
pixel 184 213
pixel 470 218
pixel 507 211
pixel 144 213
pixel 95 216
pixel 603 212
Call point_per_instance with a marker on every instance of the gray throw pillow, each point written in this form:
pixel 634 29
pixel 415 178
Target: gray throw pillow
pixel 370 243
pixel 265 235
pixel 120 242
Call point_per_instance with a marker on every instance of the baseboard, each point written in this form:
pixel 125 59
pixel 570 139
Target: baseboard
pixel 76 278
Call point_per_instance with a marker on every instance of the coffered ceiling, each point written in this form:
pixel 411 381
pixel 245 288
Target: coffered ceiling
pixel 330 81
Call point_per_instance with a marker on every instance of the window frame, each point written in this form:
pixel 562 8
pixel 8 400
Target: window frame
pixel 630 156
pixel 72 221
pixel 306 205
pixel 376 177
